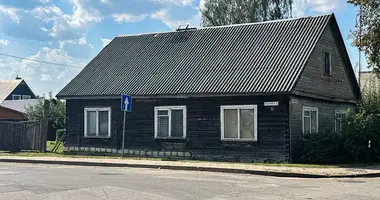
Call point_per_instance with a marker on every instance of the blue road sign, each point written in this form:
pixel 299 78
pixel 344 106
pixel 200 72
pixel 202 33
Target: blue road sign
pixel 126 103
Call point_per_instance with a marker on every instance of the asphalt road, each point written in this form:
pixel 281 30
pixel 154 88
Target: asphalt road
pixel 21 181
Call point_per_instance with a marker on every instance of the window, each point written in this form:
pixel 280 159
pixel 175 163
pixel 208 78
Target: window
pixel 170 122
pixel 26 97
pixel 97 122
pixel 340 115
pixel 327 63
pixel 16 97
pixel 310 120
pixel 239 122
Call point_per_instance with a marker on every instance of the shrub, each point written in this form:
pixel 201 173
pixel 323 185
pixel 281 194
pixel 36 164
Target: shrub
pixel 352 144
pixel 321 148
pixel 358 130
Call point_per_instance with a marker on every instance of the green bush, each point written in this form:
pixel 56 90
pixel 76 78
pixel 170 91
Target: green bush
pixel 350 146
pixel 358 130
pixel 323 148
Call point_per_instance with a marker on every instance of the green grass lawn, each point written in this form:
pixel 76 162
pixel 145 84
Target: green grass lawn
pixel 50 145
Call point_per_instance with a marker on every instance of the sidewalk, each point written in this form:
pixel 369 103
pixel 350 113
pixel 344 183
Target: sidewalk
pixel 371 171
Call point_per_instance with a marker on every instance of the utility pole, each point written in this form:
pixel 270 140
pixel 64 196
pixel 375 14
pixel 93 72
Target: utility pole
pixel 360 43
pixel 45 122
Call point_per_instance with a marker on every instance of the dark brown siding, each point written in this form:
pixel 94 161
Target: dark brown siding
pixel 8 114
pixel 326 116
pixel 203 128
pixel 314 81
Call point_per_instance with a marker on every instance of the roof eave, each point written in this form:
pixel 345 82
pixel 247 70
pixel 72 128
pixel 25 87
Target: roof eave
pixel 174 96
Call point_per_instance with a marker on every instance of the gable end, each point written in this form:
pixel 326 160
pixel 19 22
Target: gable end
pixel 341 85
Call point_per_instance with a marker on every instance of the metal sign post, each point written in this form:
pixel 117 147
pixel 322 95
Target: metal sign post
pixel 122 148
pixel 126 106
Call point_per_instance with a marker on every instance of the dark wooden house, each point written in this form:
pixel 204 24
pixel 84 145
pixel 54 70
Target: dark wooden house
pixel 15 90
pixel 240 93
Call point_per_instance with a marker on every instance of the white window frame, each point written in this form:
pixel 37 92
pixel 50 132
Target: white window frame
pixel 169 109
pixel 27 96
pixel 310 109
pixel 16 95
pixel 97 109
pixel 339 111
pixel 238 108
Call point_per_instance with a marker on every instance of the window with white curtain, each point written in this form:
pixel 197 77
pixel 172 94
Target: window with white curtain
pixel 97 122
pixel 239 122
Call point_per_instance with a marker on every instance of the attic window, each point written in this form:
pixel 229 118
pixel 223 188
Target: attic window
pixel 16 97
pixel 26 97
pixel 327 70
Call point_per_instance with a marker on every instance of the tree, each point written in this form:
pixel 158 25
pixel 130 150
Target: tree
pixel 56 115
pixel 225 12
pixel 367 33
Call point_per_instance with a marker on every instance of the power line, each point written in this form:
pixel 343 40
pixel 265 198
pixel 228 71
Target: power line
pixel 40 61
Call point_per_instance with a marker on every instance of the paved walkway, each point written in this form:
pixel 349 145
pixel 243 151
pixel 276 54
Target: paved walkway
pixel 370 171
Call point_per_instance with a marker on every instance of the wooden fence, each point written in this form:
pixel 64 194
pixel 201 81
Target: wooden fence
pixel 18 136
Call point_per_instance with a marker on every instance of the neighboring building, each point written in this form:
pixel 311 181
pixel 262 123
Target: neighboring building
pixel 369 80
pixel 239 93
pixel 15 90
pixel 14 110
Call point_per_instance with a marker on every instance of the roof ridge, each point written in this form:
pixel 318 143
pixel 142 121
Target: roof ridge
pixel 230 25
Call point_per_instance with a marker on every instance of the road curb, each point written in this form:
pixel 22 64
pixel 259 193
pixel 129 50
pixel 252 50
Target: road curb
pixel 190 168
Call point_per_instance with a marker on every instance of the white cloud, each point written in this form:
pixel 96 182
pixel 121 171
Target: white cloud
pixel 65 25
pixel 128 18
pixel 42 77
pixel 316 6
pixel 83 14
pixel 105 1
pixel 82 40
pixel 44 29
pixel 163 15
pixel 63 42
pixel 4 43
pixel 175 2
pixel 105 41
pixel 45 77
pixel 44 1
pixel 11 13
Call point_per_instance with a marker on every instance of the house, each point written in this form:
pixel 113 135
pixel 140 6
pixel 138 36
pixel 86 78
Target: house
pixel 14 96
pixel 14 110
pixel 238 93
pixel 15 90
pixel 369 81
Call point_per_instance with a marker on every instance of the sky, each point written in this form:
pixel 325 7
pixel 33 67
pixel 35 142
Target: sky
pixel 72 32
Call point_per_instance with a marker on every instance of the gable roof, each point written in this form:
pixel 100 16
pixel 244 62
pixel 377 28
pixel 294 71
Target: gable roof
pixel 19 105
pixel 266 57
pixel 7 87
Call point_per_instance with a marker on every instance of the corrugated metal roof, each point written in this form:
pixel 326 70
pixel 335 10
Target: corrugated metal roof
pixel 7 87
pixel 238 59
pixel 19 105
